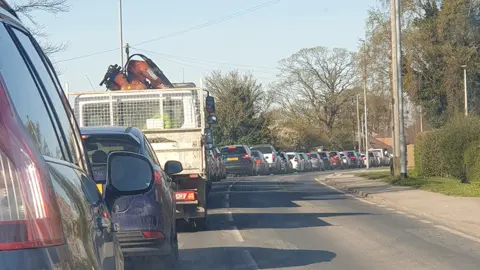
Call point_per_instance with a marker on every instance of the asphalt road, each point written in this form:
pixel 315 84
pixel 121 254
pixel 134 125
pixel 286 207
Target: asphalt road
pixel 294 222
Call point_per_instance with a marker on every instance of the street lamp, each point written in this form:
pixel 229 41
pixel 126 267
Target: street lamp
pixel 120 22
pixel 465 88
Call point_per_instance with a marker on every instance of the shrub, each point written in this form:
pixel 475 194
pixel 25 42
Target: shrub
pixel 441 152
pixel 472 162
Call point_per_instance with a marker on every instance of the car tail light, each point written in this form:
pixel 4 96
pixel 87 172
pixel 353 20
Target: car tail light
pixel 153 234
pixel 185 196
pixel 352 157
pixel 245 156
pixel 258 162
pixel 193 176
pixel 273 157
pixel 315 159
pixel 29 213
pixel 295 159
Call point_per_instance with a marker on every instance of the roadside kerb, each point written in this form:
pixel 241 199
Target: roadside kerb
pixel 463 226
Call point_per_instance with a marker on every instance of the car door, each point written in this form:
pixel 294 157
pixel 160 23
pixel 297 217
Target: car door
pixel 49 119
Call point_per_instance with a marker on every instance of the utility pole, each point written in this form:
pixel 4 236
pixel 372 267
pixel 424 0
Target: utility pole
pixel 365 100
pixel 120 22
pixel 403 144
pixel 421 119
pixel 359 134
pixel 400 147
pixel 465 88
pixel 396 150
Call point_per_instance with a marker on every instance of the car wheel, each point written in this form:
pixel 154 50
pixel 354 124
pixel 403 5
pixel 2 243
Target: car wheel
pixel 171 260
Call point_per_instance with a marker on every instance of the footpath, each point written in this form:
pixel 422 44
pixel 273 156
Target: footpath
pixel 459 213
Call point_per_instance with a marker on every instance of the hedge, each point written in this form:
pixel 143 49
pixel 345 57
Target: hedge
pixel 472 162
pixel 442 152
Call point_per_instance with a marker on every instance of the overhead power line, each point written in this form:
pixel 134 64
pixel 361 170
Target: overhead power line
pixel 187 59
pixel 184 31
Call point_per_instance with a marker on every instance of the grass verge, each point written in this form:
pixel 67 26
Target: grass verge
pixel 447 186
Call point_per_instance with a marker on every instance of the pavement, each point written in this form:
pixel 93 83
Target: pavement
pixel 459 213
pixel 297 222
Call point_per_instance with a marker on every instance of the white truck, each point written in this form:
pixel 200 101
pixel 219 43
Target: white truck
pixel 175 122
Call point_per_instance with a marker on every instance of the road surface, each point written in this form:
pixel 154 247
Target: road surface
pixel 294 222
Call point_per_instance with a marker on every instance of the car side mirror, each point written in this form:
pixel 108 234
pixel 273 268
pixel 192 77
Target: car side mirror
pixel 208 136
pixel 210 104
pixel 212 119
pixel 122 168
pixel 173 167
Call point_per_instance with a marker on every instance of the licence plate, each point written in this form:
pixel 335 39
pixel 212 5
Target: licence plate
pixel 180 196
pixel 232 158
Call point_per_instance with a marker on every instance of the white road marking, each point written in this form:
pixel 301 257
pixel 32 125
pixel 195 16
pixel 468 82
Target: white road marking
pixel 250 261
pixel 229 216
pixel 411 216
pixel 227 196
pixel 381 205
pixel 236 234
pixel 390 209
pixel 464 235
pixel 400 212
pixel 425 221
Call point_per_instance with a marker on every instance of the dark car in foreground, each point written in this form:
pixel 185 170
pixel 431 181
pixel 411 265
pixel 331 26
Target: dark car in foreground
pixel 147 221
pixel 238 160
pixel 51 213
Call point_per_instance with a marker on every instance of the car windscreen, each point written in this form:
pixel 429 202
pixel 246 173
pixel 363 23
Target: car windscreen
pixel 333 154
pixel 291 156
pixel 312 156
pixel 263 149
pixel 233 151
pixel 98 147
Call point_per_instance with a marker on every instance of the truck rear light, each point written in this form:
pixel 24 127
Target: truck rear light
pixel 185 196
pixel 29 213
pixel 153 234
pixel 193 176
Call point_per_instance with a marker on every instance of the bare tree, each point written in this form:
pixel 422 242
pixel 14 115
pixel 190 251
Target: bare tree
pixel 27 10
pixel 319 78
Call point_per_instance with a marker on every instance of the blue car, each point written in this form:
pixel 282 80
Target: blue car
pixel 52 215
pixel 147 221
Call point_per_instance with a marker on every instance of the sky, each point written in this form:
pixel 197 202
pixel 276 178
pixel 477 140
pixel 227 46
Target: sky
pixel 189 38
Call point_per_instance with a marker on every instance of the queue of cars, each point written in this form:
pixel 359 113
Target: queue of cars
pixel 264 160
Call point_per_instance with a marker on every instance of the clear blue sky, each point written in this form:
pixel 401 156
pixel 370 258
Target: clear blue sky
pixel 258 39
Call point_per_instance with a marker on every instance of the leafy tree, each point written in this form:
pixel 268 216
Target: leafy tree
pixel 240 108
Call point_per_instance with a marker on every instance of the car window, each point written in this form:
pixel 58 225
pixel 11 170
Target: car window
pixel 291 156
pixel 51 88
pixel 233 150
pixel 263 149
pixel 151 152
pixel 30 105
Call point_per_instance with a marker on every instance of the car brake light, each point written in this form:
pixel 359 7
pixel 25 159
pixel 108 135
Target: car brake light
pixel 185 196
pixel 232 147
pixel 273 157
pixel 84 137
pixel 245 156
pixel 193 176
pixel 153 234
pixel 29 213
pixel 258 161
